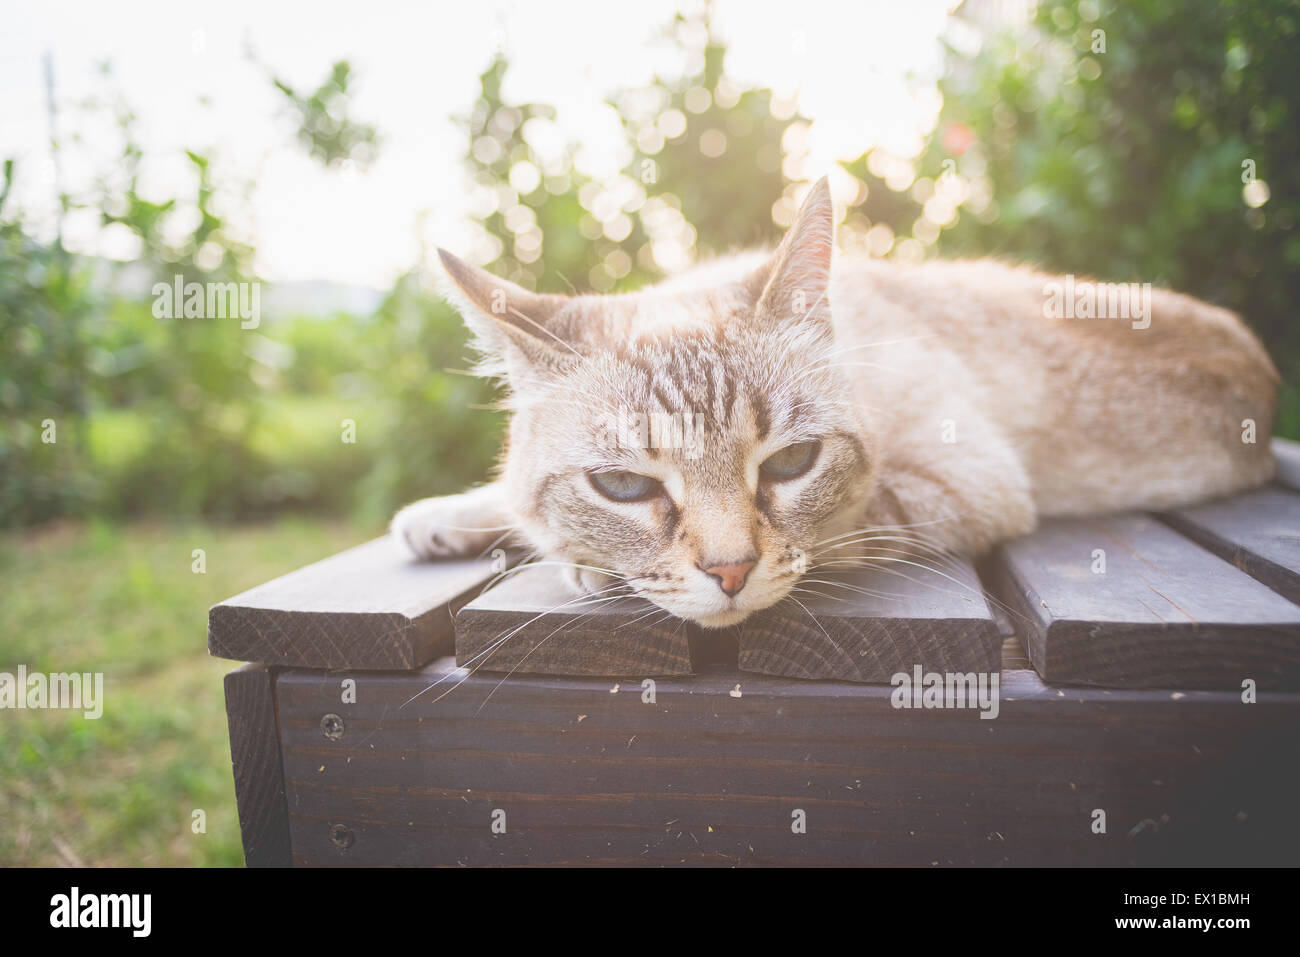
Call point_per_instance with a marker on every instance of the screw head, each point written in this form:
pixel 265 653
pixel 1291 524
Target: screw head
pixel 331 726
pixel 341 835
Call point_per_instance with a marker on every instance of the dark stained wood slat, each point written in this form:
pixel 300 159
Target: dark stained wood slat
pixel 532 622
pixel 866 626
pixel 370 607
pixel 1166 612
pixel 1287 454
pixel 710 771
pixel 255 760
pixel 874 623
pixel 1259 532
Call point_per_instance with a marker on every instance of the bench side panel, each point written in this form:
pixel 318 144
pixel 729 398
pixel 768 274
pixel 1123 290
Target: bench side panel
pixel 255 759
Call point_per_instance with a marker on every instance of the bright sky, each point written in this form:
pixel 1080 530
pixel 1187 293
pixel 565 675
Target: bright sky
pixel 847 63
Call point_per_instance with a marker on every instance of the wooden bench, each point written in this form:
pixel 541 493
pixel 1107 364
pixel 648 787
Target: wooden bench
pixel 1147 709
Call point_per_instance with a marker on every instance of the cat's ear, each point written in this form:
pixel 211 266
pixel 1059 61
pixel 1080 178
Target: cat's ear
pixel 509 322
pixel 797 278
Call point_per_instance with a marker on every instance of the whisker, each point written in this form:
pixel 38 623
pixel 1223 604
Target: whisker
pixel 880 528
pixel 817 623
pixel 526 656
pixel 496 643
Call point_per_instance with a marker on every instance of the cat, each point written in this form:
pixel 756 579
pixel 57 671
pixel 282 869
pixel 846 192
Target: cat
pixel 793 404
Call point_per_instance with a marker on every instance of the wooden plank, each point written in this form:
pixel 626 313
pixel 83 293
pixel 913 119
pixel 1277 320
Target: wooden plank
pixel 865 626
pixel 1287 454
pixel 533 623
pixel 1164 613
pixel 370 607
pixel 710 770
pixel 1258 532
pixel 873 623
pixel 255 759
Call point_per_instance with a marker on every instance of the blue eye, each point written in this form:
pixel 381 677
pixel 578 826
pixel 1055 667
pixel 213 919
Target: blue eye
pixel 791 462
pixel 623 486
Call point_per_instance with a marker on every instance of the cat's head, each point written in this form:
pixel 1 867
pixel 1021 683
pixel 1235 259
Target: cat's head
pixel 695 438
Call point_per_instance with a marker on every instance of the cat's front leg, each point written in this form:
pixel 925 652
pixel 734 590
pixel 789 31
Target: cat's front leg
pixel 961 498
pixel 587 579
pixel 455 526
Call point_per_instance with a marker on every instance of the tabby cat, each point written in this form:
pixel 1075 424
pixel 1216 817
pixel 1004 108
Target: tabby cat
pixel 706 441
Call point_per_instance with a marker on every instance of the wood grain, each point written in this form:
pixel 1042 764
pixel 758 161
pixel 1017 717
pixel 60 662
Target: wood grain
pixel 711 770
pixel 370 607
pixel 1165 613
pixel 1258 532
pixel 255 759
pixel 533 623
pixel 874 623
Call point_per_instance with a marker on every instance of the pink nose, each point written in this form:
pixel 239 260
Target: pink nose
pixel 731 578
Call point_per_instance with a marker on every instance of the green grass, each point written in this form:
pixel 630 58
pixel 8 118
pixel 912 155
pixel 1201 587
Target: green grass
pixel 123 600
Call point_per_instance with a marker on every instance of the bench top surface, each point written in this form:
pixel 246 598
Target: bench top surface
pixel 1202 597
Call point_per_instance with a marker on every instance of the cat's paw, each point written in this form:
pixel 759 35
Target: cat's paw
pixel 453 526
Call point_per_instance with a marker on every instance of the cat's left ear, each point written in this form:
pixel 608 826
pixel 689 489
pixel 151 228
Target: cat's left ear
pixel 798 275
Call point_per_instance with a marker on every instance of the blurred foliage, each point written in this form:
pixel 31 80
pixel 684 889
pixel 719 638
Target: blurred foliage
pixel 73 348
pixel 1125 164
pixel 326 130
pixel 1144 140
pixel 711 151
pixel 704 163
pixel 438 430
pixel 46 300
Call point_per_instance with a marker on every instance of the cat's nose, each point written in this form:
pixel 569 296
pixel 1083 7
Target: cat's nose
pixel 730 578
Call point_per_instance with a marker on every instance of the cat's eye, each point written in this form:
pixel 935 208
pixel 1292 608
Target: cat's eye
pixel 624 486
pixel 791 462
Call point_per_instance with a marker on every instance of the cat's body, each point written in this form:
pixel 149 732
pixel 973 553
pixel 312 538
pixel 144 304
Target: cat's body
pixel 935 405
pixel 1099 415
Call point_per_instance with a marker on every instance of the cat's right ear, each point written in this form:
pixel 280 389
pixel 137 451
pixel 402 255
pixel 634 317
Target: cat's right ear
pixel 509 322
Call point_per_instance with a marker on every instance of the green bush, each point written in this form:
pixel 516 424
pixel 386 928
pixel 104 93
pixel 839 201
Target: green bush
pixel 1125 154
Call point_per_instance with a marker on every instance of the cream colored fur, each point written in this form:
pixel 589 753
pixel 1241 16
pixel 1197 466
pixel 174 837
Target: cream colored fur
pixel 950 410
